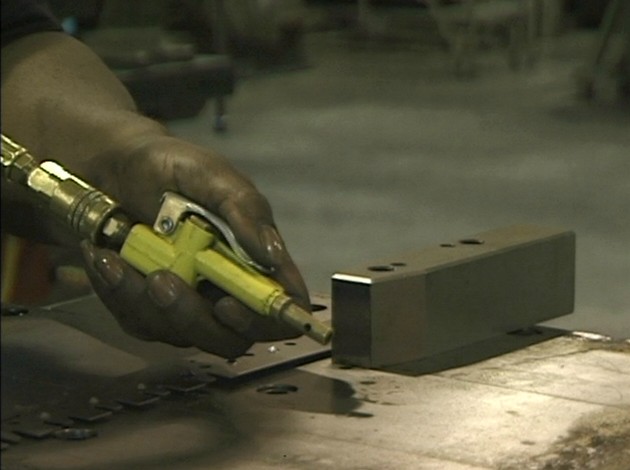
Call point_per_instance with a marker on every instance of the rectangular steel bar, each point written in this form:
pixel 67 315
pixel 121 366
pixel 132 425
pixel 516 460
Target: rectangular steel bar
pixel 414 306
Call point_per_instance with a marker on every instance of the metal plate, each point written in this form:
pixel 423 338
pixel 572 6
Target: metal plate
pixel 71 363
pixel 89 315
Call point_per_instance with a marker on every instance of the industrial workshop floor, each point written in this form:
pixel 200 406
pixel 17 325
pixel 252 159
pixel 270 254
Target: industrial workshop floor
pixel 375 149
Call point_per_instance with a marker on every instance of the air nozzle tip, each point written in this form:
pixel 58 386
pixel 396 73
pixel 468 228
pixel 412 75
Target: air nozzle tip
pixel 307 323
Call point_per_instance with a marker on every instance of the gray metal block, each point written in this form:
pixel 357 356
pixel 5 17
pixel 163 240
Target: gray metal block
pixel 414 306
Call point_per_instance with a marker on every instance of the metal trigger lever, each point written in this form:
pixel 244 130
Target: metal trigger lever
pixel 175 207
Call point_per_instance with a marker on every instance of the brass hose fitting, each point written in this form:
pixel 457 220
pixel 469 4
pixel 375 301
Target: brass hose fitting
pixel 89 212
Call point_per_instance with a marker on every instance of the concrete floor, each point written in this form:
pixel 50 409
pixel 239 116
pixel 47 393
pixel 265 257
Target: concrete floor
pixel 376 149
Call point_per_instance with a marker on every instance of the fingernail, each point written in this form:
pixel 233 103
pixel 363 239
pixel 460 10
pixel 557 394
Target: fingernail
pixel 272 243
pixel 110 270
pixel 88 251
pixel 162 290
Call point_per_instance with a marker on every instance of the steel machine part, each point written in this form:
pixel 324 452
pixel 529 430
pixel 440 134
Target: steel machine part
pixel 446 297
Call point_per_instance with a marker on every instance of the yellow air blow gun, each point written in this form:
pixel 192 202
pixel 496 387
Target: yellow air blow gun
pixel 186 239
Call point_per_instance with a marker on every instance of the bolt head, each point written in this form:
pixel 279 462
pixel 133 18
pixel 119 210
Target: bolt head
pixel 166 224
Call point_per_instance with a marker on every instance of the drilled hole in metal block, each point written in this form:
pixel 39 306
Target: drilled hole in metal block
pixel 382 268
pixel 398 264
pixel 471 241
pixel 447 245
pixel 290 343
pixel 277 389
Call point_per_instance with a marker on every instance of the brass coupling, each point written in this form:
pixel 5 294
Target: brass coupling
pixel 89 212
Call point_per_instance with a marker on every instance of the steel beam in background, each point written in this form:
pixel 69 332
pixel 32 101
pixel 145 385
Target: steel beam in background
pixel 450 296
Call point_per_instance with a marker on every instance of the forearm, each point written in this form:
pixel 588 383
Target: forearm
pixel 61 102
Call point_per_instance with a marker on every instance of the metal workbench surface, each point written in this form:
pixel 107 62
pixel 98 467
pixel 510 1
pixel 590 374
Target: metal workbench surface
pixel 561 403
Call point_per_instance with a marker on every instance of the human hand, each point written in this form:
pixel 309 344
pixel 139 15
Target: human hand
pixel 161 306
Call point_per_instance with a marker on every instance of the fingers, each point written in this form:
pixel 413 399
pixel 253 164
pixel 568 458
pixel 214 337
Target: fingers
pixel 249 215
pixel 249 325
pixel 161 307
pixel 264 243
pixel 252 223
pixel 121 289
pixel 191 317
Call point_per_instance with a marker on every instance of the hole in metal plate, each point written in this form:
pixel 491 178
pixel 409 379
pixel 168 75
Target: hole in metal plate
pixel 471 241
pixel 382 268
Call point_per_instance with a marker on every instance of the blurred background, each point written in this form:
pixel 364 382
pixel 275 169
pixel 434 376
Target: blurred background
pixel 382 127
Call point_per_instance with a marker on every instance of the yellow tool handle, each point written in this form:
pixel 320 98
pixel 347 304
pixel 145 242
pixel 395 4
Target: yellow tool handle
pixel 189 253
pixel 193 253
pixel 257 292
